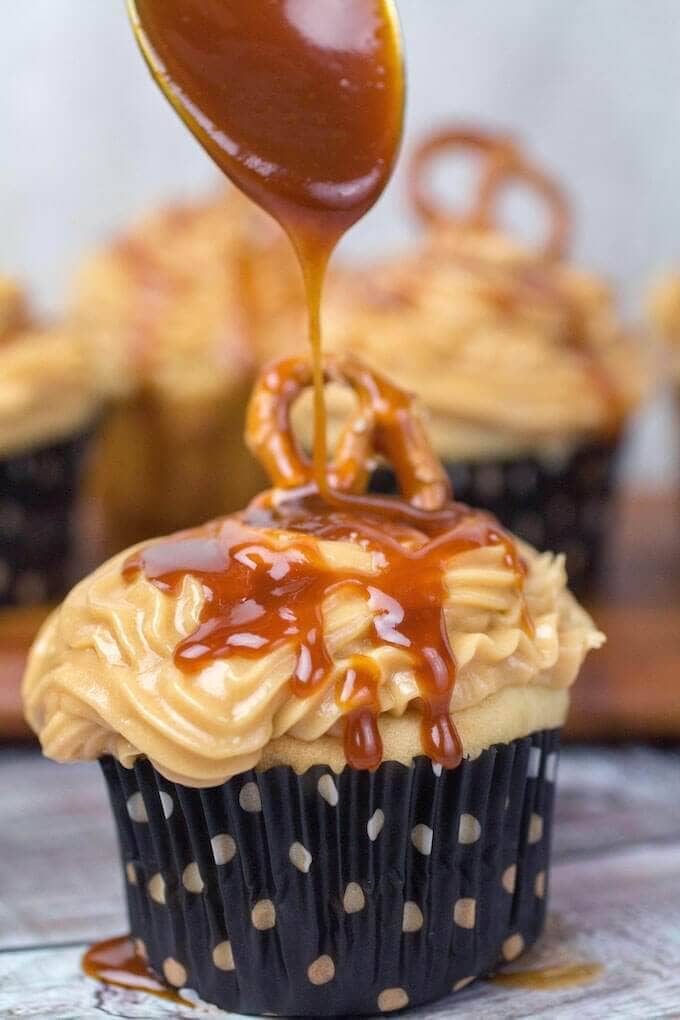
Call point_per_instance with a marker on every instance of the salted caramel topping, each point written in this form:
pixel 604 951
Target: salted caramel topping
pixel 262 592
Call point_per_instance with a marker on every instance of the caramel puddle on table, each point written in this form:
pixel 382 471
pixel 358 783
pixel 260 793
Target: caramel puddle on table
pixel 117 962
pixel 549 978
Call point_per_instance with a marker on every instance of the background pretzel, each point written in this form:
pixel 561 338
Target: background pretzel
pixel 503 164
pixel 386 421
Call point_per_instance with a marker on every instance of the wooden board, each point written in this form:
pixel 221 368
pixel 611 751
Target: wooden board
pixel 628 690
pixel 615 895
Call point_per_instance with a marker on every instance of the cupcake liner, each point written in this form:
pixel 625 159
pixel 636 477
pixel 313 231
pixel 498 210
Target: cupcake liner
pixel 560 504
pixel 323 894
pixel 38 490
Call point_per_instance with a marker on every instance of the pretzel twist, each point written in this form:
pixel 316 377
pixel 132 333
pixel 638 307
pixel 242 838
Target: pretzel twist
pixel 386 421
pixel 503 164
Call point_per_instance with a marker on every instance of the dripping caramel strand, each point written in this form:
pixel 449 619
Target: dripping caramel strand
pixel 265 581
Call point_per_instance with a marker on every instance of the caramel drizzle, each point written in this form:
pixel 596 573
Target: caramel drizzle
pixel 117 962
pixel 503 163
pixel 266 580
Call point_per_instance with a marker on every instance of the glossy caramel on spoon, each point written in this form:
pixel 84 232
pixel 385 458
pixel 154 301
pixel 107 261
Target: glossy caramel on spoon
pixel 299 102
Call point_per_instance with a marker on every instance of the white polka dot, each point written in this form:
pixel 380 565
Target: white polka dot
pixel 412 919
pixel 328 790
pixel 539 885
pixel 512 947
pixel 375 825
pixel 354 900
pixel 469 829
pixel 136 808
pixel 191 878
pixel 175 974
pixel 535 829
pixel 300 857
pixel 263 915
pixel 321 971
pixel 131 873
pixel 437 768
pixel 167 804
pixel 551 767
pixel 421 837
pixel 156 887
pixel 463 983
pixel 391 999
pixel 509 879
pixel 465 912
pixel 223 848
pixel 223 956
pixel 534 763
pixel 249 798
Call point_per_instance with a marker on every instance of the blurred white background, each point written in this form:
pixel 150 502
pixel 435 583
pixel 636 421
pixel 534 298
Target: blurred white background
pixel 591 86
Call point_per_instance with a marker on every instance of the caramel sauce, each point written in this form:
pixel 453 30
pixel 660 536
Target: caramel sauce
pixel 262 592
pixel 299 103
pixel 549 978
pixel 117 962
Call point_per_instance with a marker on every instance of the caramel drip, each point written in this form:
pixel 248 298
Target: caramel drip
pixel 116 962
pixel 262 592
pixel 549 978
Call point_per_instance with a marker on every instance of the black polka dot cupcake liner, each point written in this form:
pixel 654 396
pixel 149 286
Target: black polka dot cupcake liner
pixel 38 491
pixel 327 895
pixel 560 504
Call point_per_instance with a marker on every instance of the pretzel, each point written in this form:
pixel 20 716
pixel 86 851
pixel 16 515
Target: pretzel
pixel 386 421
pixel 503 164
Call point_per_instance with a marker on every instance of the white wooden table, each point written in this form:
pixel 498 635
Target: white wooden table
pixel 615 895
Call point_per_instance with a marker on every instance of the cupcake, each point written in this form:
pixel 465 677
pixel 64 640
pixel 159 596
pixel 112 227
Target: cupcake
pixel 329 731
pixel 526 374
pixel 48 406
pixel 169 313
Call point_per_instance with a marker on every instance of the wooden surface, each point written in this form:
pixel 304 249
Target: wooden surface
pixel 629 690
pixel 615 895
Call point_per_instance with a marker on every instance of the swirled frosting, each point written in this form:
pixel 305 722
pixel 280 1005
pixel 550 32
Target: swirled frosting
pixel 508 351
pixel 46 388
pixel 102 678
pixel 171 306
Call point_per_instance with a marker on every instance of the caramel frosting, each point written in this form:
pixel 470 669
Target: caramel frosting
pixel 102 678
pixel 46 389
pixel 171 306
pixel 508 352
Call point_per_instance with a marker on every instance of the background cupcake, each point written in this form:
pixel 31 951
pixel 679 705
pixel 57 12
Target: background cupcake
pixel 48 406
pixel 169 314
pixel 262 870
pixel 527 376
